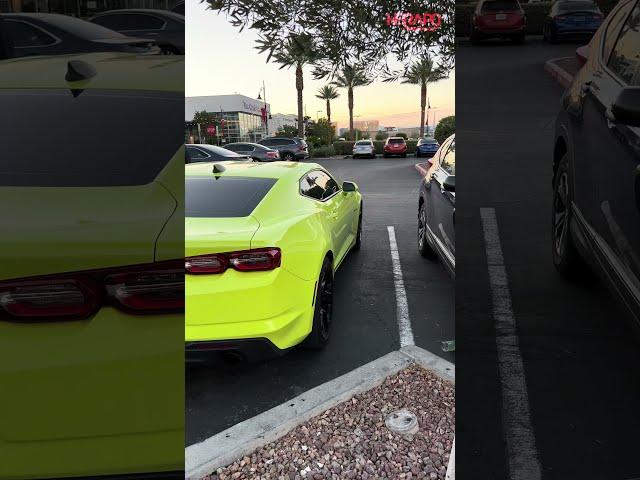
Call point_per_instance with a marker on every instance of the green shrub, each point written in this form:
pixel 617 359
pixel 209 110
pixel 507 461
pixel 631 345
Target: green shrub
pixel 324 151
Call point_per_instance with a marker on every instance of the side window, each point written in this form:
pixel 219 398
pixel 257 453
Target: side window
pixel 441 151
pixel 114 22
pixel 24 35
pixel 612 30
pixel 311 185
pixel 266 143
pixel 246 148
pixel 282 142
pixel 624 61
pixel 449 161
pixel 196 154
pixel 145 22
pixel 331 186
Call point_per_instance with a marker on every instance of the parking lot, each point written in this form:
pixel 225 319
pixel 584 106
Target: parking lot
pixel 581 364
pixel 365 320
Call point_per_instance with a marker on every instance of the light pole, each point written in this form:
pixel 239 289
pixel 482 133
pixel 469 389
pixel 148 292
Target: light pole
pixel 356 130
pixel 267 114
pixel 317 112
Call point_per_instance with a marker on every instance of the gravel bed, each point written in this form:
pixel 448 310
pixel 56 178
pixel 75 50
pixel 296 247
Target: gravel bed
pixel 351 441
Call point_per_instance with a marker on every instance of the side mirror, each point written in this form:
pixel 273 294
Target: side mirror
pixel 626 108
pixel 449 183
pixel 349 187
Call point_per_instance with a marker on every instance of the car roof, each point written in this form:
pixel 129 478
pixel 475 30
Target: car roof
pixel 153 11
pixel 253 169
pixel 114 71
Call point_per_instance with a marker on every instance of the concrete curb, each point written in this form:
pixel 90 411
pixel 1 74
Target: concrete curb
pixel 561 75
pixel 226 447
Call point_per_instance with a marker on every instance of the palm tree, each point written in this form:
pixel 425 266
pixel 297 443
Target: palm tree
pixel 422 73
pixel 328 93
pixel 297 52
pixel 350 78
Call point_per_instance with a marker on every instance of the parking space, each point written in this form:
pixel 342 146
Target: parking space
pixel 365 317
pixel 581 364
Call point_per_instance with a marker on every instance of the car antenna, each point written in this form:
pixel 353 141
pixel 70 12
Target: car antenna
pixel 77 71
pixel 218 169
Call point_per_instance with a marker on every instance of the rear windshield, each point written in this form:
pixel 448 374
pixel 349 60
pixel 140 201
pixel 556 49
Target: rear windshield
pixel 396 140
pixel 577 7
pixel 364 143
pixel 503 6
pixel 224 196
pixel 100 138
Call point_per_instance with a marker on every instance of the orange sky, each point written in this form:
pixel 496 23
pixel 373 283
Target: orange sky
pixel 220 61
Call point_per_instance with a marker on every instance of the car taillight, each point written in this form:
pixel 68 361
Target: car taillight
pixel 261 259
pixel 143 289
pixel 272 155
pixel 560 17
pixel 302 147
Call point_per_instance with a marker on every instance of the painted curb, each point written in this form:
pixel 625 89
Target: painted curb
pixel 563 77
pixel 421 169
pixel 451 468
pixel 226 447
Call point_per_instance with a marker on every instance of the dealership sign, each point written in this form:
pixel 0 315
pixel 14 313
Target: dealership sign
pixel 211 129
pixel 414 22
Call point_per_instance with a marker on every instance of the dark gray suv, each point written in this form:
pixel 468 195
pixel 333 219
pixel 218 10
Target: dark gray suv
pixel 290 149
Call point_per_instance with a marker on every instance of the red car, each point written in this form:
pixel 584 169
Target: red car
pixel 395 146
pixel 498 19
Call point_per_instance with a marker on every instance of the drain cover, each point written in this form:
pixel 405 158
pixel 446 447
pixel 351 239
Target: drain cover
pixel 402 421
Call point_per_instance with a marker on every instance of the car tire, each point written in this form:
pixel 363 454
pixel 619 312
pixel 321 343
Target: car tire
pixel 566 257
pixel 358 243
pixel 423 243
pixel 323 309
pixel 288 157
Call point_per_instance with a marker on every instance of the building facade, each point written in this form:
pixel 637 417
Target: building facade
pixel 239 118
pixel 279 120
pixel 81 8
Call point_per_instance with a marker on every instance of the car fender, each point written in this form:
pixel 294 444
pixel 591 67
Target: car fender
pixel 304 239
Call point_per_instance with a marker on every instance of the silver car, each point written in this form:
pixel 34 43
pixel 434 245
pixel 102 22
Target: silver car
pixel 364 148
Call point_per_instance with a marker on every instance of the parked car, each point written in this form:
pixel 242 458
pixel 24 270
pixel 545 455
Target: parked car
pixel 179 8
pixel 427 147
pixel 498 19
pixel 290 149
pixel 202 152
pixel 257 152
pixel 437 207
pixel 34 34
pixel 574 19
pixel 262 246
pixel 596 162
pixel 395 146
pixel 164 27
pixel 92 277
pixel 364 148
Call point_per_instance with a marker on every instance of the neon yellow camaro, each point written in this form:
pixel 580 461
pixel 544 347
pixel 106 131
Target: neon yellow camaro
pixel 91 266
pixel 263 242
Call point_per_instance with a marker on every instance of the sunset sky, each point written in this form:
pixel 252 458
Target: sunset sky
pixel 220 60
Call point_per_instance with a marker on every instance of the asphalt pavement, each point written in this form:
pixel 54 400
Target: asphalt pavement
pixel 581 362
pixel 365 322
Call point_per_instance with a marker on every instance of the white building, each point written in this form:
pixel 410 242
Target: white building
pixel 279 120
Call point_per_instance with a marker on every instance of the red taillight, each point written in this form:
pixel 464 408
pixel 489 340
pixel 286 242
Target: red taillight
pixel 272 155
pixel 261 259
pixel 302 147
pixel 152 288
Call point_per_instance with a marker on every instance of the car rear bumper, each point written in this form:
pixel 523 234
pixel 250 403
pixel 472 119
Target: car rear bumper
pixel 275 305
pixel 499 32
pixel 249 349
pixel 301 155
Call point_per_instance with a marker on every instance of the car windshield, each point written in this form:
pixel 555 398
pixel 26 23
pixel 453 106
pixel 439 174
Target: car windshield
pixel 396 140
pixel 367 143
pixel 92 134
pixel 224 197
pixel 565 7
pixel 500 5
pixel 223 152
pixel 81 28
pixel 427 141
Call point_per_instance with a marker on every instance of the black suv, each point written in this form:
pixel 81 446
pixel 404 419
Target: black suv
pixel 437 207
pixel 596 162
pixel 290 149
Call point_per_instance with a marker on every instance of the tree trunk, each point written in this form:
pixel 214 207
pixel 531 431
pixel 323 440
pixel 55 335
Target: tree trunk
pixel 351 131
pixel 423 104
pixel 329 111
pixel 299 88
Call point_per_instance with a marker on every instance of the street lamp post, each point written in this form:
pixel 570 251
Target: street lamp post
pixel 267 114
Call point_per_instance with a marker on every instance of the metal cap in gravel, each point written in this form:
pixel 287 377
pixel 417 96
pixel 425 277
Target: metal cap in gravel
pixel 352 441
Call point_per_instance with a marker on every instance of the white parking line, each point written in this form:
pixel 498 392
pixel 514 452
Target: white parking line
pixel 522 456
pixel 402 306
